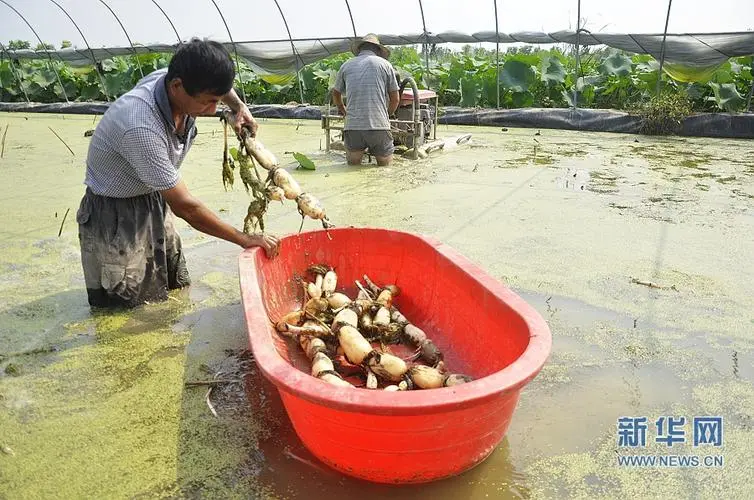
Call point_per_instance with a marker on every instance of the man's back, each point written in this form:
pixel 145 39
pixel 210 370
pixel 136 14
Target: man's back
pixel 366 80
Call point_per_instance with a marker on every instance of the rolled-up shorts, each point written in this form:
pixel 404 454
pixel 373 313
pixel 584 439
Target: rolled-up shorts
pixel 378 142
pixel 130 251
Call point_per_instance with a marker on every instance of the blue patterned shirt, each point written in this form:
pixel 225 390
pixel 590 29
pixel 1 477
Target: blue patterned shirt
pixel 135 148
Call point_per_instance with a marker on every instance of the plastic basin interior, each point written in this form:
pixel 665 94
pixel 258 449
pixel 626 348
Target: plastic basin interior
pixel 482 328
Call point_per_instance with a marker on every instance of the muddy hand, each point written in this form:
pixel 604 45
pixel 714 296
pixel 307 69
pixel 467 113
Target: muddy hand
pixel 270 243
pixel 244 120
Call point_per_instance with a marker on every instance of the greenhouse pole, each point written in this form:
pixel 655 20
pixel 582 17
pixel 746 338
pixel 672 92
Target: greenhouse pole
pixel 177 36
pixel 238 66
pixel 426 38
pixel 293 49
pixel 578 56
pixel 497 54
pixel 662 50
pixel 748 99
pixel 91 52
pixel 13 70
pixel 136 56
pixel 43 45
pixel 353 24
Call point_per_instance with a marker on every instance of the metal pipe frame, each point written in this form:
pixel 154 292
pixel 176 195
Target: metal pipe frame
pixel 94 59
pixel 13 70
pixel 235 51
pixel 578 57
pixel 136 55
pixel 295 55
pixel 497 54
pixel 426 37
pixel 177 36
pixel 662 50
pixel 353 24
pixel 43 45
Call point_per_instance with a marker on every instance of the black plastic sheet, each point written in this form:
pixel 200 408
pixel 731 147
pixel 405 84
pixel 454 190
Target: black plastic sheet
pixel 728 125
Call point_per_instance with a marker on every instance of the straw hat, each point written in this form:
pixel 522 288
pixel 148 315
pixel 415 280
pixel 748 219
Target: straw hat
pixel 384 52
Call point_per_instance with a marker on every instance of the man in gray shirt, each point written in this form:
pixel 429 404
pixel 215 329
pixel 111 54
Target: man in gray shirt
pixel 130 251
pixel 371 90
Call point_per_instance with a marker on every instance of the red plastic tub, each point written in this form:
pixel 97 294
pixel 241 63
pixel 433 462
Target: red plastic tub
pixel 482 328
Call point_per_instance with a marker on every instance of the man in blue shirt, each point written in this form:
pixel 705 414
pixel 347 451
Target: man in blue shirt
pixel 130 251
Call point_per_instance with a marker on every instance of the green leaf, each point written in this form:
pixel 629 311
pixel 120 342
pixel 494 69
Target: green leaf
pixel 722 76
pixel 489 87
pixel 588 81
pixel 585 96
pixel 323 75
pixel 647 74
pixel 478 63
pixel 616 64
pixel 308 78
pixel 117 83
pixel 331 78
pixel 528 59
pixel 282 88
pixel 648 66
pixel 89 92
pixel 455 74
pixel 469 92
pixel 234 153
pixel 695 91
pixel 27 71
pixel 517 76
pixel 44 78
pixel 552 70
pixel 304 161
pixel 70 91
pixel 522 99
pixel 727 96
pixel 108 65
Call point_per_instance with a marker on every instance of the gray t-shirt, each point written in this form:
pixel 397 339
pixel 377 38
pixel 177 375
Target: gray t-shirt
pixel 365 80
pixel 135 149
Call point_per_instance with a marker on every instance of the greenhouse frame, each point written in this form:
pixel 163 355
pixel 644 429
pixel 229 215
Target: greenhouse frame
pixel 282 37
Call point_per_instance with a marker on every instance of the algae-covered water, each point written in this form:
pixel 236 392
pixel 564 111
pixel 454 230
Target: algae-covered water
pixel 97 406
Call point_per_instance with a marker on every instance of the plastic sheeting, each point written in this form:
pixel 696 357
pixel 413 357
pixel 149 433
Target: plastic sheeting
pixel 151 22
pixel 687 54
pixel 723 125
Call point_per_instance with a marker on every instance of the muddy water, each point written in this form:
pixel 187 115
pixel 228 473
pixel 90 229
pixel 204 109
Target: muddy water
pixel 95 405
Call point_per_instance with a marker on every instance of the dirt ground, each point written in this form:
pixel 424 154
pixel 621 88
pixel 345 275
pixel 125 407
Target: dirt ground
pixel 576 223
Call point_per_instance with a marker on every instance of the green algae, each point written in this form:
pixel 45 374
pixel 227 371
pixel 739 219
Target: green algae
pixel 91 392
pixel 13 369
pixel 571 153
pixel 100 408
pixel 115 397
pixel 694 163
pixel 596 474
pixel 533 159
pixel 726 180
